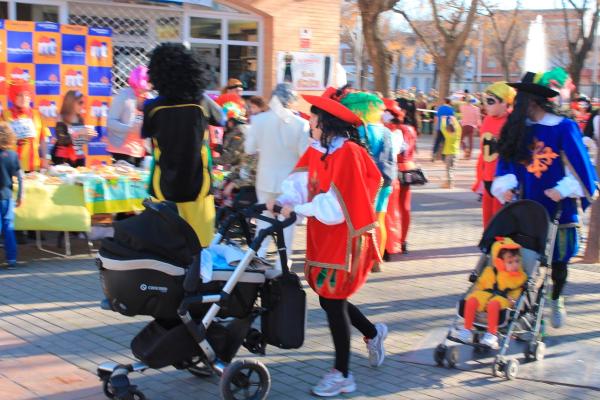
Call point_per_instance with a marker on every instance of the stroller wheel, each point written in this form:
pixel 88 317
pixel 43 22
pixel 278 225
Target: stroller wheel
pixel 107 388
pixel 512 369
pixel 452 356
pixel 497 368
pixel 245 379
pixel 439 354
pixel 540 349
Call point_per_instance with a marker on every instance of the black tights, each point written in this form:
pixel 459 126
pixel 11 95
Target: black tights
pixel 340 314
pixel 559 278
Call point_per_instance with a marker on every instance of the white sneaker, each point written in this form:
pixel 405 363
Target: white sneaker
pixel 375 345
pixel 464 335
pixel 490 340
pixel 334 383
pixel 559 314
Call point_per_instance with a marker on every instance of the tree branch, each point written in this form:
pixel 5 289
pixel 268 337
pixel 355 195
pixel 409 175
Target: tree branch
pixel 430 46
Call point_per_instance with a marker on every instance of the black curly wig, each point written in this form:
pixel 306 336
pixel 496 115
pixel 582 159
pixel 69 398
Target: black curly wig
pixel 515 137
pixel 176 73
pixel 332 127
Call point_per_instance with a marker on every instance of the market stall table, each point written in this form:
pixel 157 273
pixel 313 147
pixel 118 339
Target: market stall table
pixel 67 206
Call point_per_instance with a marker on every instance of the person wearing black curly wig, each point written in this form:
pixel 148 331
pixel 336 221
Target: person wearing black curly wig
pixel 542 157
pixel 334 185
pixel 177 122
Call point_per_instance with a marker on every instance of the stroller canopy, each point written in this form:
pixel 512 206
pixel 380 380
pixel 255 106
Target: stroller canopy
pixel 524 221
pixel 158 230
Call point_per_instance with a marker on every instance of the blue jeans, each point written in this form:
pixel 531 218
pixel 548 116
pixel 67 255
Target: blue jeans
pixel 7 213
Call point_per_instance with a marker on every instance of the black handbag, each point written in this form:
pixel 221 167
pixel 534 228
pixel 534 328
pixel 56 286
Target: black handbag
pixel 412 177
pixel 283 323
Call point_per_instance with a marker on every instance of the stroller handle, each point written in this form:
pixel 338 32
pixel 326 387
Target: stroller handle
pixel 256 211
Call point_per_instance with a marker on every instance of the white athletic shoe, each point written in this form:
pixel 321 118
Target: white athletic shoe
pixel 375 346
pixel 490 340
pixel 464 335
pixel 334 383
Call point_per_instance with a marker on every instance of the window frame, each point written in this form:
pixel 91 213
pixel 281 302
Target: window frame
pixel 225 42
pixel 63 14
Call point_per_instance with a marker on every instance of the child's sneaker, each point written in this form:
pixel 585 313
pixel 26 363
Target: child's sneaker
pixel 490 340
pixel 464 335
pixel 375 345
pixel 334 383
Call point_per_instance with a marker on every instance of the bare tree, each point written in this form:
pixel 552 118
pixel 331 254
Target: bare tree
pixel 580 42
pixel 370 11
pixel 507 37
pixel 352 35
pixel 453 21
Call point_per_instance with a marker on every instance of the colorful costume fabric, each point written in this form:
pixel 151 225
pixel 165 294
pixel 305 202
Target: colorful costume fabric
pixel 30 132
pixel 495 289
pixel 559 161
pixel 339 255
pixel 486 163
pixel 180 171
pixel 497 284
pixel 397 218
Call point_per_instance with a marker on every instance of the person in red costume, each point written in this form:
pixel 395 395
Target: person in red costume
pixel 398 211
pixel 497 100
pixel 29 128
pixel 334 184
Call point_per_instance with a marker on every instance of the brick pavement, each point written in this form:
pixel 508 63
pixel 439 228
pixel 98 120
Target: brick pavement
pixel 53 334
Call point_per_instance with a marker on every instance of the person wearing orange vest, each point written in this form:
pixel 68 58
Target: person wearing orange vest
pixel 28 126
pixel 497 99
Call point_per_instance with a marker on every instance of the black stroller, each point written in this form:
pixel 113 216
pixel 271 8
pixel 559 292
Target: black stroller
pixel 526 222
pixel 152 267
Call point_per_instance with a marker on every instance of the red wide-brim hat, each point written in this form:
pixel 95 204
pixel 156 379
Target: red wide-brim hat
pixel 334 108
pixel 393 107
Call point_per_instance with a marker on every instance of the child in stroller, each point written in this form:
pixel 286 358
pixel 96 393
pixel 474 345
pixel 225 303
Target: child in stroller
pixel 201 316
pixel 523 225
pixel 496 289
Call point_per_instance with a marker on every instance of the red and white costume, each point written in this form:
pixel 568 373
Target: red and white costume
pixel 337 195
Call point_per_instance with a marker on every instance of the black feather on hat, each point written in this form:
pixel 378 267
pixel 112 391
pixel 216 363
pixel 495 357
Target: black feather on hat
pixel 527 85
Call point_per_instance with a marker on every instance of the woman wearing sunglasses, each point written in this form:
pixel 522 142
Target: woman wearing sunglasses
pixel 497 99
pixel 71 132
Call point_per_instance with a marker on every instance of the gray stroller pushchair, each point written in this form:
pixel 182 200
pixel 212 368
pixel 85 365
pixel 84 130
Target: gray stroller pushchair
pixel 201 315
pixel 527 223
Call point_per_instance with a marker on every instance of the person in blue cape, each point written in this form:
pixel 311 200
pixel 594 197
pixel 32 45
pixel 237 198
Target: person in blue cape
pixel 542 158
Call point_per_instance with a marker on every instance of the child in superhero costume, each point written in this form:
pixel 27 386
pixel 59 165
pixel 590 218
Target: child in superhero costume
pixel 498 98
pixel 542 158
pixel 497 288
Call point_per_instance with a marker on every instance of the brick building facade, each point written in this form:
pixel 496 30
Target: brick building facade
pixel 236 38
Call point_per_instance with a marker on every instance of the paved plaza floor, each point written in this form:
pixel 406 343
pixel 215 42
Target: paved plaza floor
pixel 53 333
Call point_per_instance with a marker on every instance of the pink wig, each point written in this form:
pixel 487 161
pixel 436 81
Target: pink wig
pixel 138 79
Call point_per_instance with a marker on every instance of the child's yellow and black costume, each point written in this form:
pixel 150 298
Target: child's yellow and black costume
pixel 177 122
pixel 497 284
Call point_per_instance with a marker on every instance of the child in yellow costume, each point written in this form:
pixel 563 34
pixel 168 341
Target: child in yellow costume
pixel 497 288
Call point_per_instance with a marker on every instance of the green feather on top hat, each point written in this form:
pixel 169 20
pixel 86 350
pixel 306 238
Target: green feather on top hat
pixel 366 105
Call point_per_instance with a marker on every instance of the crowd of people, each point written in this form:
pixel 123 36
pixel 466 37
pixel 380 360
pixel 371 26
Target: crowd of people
pixel 347 166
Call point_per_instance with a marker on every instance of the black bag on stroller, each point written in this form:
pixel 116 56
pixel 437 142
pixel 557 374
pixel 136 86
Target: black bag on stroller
pixel 284 297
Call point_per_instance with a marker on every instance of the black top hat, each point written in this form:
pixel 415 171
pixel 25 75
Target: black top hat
pixel 526 85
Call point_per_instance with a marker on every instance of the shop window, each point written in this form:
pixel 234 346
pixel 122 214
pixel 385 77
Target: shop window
pixel 241 64
pixel 37 12
pixel 246 31
pixel 210 57
pixel 205 28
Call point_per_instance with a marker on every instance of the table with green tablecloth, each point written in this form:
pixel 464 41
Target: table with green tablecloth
pixel 68 207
